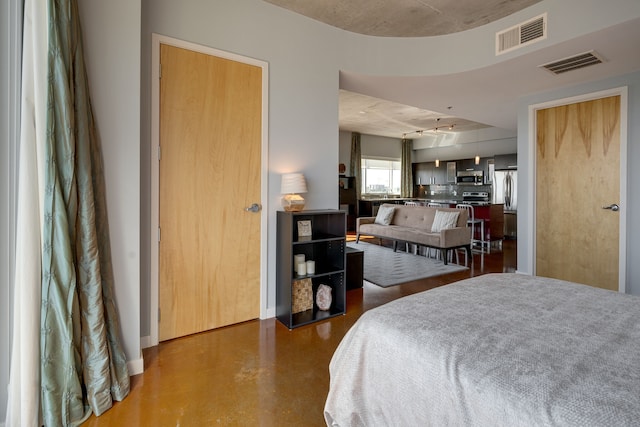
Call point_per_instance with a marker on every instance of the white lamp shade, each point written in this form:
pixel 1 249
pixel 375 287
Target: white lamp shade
pixel 293 183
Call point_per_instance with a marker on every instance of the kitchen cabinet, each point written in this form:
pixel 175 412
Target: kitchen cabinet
pixel 506 161
pixel 465 165
pixel 369 207
pixel 422 173
pixel 326 247
pixel 426 173
pixel 470 164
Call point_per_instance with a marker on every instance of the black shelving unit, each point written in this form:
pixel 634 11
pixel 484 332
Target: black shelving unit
pixel 326 246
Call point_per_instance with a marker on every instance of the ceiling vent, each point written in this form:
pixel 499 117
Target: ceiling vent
pixel 531 31
pixel 574 62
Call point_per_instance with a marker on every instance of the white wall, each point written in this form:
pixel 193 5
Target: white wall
pixel 305 58
pixel 484 143
pixel 525 173
pixel 112 54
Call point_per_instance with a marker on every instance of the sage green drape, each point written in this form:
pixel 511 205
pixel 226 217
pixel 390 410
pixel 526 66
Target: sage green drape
pixel 355 166
pixel 406 173
pixel 83 365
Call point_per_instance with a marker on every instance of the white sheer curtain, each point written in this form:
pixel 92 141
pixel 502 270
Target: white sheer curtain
pixel 23 408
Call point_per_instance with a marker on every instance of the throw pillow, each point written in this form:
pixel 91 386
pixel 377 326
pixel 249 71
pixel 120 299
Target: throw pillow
pixel 444 220
pixel 385 215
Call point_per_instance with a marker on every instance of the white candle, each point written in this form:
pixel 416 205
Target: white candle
pixel 297 259
pixel 301 269
pixel 311 267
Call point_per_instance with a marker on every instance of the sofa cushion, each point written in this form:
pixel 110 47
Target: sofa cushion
pixel 444 220
pixel 385 215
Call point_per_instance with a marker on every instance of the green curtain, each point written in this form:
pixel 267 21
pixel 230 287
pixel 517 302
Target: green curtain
pixel 83 365
pixel 355 166
pixel 406 174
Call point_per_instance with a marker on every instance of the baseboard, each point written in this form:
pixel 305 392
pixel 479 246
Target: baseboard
pixel 145 342
pixel 135 367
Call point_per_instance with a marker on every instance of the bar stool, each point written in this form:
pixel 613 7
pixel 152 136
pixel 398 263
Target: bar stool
pixel 472 222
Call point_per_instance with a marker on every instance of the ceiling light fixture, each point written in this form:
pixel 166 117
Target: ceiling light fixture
pixel 421 132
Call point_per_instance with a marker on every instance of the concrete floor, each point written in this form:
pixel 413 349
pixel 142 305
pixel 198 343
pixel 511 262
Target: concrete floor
pixel 258 373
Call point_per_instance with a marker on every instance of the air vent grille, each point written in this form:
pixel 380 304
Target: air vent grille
pixel 571 63
pixel 522 34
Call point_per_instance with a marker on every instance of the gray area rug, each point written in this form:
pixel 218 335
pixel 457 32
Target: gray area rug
pixel 385 268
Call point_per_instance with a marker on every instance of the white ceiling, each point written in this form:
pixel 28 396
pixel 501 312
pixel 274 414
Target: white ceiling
pixel 393 106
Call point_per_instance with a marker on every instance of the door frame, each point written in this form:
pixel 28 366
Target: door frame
pixel 622 234
pixel 156 41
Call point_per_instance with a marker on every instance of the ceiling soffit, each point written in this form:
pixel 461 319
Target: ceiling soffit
pixel 405 18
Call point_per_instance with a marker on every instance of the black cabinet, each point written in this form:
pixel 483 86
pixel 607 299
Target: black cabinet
pixel 326 247
pixel 505 161
pixel 348 199
pixel 426 173
pixel 470 164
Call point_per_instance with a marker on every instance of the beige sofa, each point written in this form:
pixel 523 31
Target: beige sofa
pixel 413 224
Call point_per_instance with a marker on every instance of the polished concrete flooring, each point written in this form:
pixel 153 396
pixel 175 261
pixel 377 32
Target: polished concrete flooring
pixel 259 373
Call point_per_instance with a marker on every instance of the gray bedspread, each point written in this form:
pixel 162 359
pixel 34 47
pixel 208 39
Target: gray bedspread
pixel 495 350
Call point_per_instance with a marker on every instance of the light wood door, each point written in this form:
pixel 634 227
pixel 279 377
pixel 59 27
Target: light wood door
pixel 577 173
pixel 210 168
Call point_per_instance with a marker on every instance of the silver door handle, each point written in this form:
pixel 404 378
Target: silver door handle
pixel 256 207
pixel 613 207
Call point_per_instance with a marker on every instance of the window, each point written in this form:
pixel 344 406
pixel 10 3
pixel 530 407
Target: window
pixel 381 176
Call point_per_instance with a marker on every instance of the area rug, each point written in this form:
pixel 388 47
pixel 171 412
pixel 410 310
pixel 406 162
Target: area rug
pixel 385 268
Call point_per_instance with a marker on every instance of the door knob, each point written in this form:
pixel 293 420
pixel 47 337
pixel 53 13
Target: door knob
pixel 613 207
pixel 256 207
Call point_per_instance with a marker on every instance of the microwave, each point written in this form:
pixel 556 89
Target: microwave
pixel 469 178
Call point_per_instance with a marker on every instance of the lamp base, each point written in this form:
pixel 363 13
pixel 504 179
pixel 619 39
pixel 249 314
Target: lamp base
pixel 292 203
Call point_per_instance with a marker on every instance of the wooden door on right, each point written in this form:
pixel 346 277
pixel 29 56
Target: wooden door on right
pixel 577 175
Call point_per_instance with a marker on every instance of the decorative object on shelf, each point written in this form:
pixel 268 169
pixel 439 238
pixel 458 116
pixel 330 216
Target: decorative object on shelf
pixel 343 183
pixel 293 184
pixel 311 267
pixel 342 168
pixel 304 230
pixel 301 296
pixel 323 297
pixel 298 259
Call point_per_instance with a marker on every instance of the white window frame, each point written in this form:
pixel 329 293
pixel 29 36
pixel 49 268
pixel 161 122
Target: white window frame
pixel 363 167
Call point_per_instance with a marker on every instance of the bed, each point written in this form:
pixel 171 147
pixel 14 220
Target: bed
pixel 494 350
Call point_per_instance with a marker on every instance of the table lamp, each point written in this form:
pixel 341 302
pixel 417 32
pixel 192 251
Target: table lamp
pixel 292 184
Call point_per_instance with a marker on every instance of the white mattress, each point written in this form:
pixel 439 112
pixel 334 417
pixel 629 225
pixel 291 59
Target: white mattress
pixel 495 350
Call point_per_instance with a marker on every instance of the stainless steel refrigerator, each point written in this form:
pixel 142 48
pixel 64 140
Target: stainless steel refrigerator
pixel 505 191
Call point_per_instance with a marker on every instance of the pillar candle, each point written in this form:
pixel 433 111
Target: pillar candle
pixel 301 269
pixel 297 259
pixel 311 267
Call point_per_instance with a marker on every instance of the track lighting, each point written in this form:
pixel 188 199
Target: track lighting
pixel 421 132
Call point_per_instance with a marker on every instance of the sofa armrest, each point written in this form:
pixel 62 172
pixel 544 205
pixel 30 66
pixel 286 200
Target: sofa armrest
pixel 454 237
pixel 364 220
